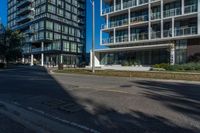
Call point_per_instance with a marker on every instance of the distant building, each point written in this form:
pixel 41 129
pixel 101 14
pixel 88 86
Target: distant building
pixel 54 30
pixel 149 31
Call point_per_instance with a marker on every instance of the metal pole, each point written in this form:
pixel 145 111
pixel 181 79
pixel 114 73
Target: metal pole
pixel 93 36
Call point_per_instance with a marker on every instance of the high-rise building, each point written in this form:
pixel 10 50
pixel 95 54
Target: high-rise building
pixel 54 30
pixel 149 32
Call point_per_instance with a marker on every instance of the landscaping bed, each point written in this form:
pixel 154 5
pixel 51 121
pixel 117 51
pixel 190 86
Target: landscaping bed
pixel 190 76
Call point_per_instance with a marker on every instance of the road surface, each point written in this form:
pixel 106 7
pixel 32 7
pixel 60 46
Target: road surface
pixel 106 104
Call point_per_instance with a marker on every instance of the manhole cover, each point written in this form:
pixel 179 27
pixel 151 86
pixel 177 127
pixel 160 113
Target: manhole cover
pixel 67 106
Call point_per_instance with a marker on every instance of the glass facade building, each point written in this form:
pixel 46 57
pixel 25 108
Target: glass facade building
pixel 149 31
pixel 54 30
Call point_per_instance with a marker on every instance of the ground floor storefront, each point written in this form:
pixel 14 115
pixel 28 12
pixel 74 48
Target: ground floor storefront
pixel 176 52
pixel 53 60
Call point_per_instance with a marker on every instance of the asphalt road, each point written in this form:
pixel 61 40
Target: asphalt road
pixel 106 104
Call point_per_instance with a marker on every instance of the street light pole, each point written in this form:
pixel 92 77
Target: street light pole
pixel 93 36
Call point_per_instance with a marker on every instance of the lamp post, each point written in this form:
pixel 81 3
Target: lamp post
pixel 93 35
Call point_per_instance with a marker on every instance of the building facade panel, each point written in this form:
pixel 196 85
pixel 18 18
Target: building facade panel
pixel 133 23
pixel 52 29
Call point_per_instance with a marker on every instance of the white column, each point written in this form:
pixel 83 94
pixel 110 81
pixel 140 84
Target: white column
pixel 61 59
pixel 137 2
pixel 129 27
pixel 198 7
pixel 101 7
pixel 42 54
pixel 114 5
pixel 32 59
pixel 183 6
pixel 162 23
pixel 149 29
pixel 107 21
pixel 100 37
pixel 23 60
pixel 173 31
pixel 114 36
pixel 172 54
pixel 121 4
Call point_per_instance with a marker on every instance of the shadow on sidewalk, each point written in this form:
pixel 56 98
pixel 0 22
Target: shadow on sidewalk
pixel 33 86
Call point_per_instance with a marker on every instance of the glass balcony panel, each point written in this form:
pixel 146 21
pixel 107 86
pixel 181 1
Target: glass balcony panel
pixel 190 8
pixel 172 12
pixel 185 31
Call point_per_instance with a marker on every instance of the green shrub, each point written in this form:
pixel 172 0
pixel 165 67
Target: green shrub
pixel 125 63
pixel 162 65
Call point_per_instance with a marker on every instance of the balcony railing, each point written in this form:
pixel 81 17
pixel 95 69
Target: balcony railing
pixel 190 8
pixel 108 40
pixel 156 15
pixel 118 23
pixel 122 38
pixel 167 33
pixel 129 4
pixel 185 31
pixel 139 19
pixel 172 12
pixel 108 10
pixel 138 37
pixel 143 1
pixel 155 34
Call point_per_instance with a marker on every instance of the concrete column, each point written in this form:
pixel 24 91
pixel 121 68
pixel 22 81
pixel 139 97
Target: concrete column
pixel 23 60
pixel 32 59
pixel 198 16
pixel 162 23
pixel 114 5
pixel 61 59
pixel 173 31
pixel 100 37
pixel 121 4
pixel 137 2
pixel 129 27
pixel 149 29
pixel 183 6
pixel 101 7
pixel 114 34
pixel 107 21
pixel 42 54
pixel 172 54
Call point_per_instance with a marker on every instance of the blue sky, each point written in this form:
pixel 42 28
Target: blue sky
pixel 3 15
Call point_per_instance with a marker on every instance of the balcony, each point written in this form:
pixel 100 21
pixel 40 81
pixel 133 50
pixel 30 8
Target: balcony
pixel 25 18
pixel 139 19
pixel 108 40
pixel 190 9
pixel 139 36
pixel 172 12
pixel 108 10
pixel 143 2
pixel 22 2
pixel 156 15
pixel 167 33
pixel 185 31
pixel 155 34
pixel 118 23
pixel 129 4
pixel 24 10
pixel 122 38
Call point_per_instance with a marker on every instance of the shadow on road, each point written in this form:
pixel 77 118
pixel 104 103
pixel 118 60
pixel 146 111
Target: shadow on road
pixel 35 87
pixel 180 97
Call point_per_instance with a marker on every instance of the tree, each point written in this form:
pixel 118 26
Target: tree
pixel 11 45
